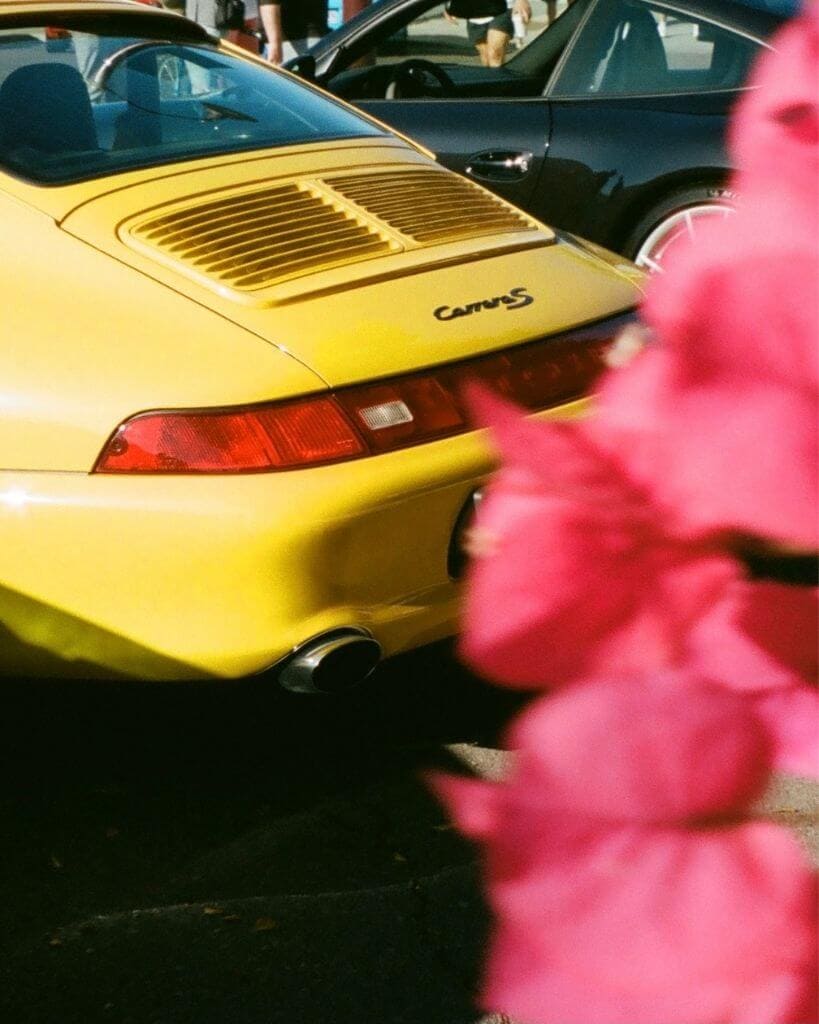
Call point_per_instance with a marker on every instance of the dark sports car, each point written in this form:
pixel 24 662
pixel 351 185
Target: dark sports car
pixel 607 117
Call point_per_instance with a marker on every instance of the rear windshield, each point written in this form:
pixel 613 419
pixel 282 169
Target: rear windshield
pixel 77 102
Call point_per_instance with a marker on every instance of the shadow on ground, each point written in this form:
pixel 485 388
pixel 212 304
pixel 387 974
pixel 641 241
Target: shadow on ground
pixel 235 854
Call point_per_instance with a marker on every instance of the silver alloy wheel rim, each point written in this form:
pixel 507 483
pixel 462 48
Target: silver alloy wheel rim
pixel 651 253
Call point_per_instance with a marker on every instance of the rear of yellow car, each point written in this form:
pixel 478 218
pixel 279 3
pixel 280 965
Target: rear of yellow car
pixel 236 330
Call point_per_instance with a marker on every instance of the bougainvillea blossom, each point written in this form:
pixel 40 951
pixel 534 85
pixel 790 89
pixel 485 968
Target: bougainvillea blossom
pixel 648 900
pixel 774 134
pixel 588 574
pixel 761 639
pixel 720 416
pixel 792 718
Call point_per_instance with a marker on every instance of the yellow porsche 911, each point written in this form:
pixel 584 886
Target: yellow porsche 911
pixel 236 318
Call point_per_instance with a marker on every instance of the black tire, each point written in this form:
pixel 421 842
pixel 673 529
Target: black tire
pixel 674 215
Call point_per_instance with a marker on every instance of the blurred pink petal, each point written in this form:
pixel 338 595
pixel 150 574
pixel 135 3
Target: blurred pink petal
pixel 721 416
pixel 774 136
pixel 761 640
pixel 620 896
pixel 473 804
pixel 792 717
pixel 675 750
pixel 626 887
pixel 587 574
pixel 656 926
pixel 760 636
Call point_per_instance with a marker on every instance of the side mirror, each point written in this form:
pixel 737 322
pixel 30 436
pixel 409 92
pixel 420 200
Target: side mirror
pixel 304 66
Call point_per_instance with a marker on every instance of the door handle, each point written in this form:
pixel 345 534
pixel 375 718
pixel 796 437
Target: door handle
pixel 499 165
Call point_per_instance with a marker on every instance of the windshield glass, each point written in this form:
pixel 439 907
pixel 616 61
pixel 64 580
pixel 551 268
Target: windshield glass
pixel 79 104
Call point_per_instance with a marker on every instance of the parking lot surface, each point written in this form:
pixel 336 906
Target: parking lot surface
pixel 178 855
pixel 235 854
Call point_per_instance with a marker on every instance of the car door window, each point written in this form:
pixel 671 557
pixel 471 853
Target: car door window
pixel 429 35
pixel 627 47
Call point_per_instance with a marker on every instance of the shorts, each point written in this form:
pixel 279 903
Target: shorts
pixel 500 23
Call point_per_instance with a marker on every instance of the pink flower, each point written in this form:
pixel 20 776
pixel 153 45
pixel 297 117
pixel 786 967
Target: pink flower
pixel 589 573
pixel 761 640
pixel 774 135
pixel 624 890
pixel 719 417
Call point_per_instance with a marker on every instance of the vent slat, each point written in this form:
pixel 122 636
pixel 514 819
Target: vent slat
pixel 366 248
pixel 227 204
pixel 327 243
pixel 223 242
pixel 439 210
pixel 213 224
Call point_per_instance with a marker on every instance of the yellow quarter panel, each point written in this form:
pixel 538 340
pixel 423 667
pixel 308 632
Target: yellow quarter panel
pixel 87 342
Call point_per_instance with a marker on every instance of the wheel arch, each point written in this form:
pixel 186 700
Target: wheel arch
pixel 652 197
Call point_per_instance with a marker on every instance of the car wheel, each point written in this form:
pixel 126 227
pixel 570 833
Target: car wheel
pixel 677 218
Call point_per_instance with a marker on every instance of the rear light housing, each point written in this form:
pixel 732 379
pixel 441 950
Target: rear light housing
pixel 354 422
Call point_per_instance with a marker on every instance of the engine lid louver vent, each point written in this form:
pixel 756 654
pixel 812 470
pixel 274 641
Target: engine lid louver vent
pixel 431 206
pixel 241 241
pixel 255 239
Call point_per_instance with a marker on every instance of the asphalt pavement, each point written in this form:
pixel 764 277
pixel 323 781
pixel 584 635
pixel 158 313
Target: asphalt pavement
pixel 230 853
pixel 233 854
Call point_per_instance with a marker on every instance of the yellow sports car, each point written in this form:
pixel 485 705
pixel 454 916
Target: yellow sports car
pixel 236 318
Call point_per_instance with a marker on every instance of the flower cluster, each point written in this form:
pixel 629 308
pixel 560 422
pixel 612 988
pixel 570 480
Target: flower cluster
pixel 635 562
pixel 626 884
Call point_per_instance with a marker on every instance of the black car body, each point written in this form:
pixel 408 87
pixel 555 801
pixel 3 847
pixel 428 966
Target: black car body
pixel 610 123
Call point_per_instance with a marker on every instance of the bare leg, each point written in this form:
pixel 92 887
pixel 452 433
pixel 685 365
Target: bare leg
pixel 496 43
pixel 483 53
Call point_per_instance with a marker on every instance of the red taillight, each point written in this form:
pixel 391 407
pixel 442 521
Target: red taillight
pixel 356 421
pixel 237 441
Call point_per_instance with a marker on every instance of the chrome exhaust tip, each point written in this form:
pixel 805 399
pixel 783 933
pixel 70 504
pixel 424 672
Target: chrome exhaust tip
pixel 331 662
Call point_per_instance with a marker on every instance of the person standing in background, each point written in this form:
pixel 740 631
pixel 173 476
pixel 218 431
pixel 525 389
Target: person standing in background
pixel 204 13
pixel 291 26
pixel 489 25
pixel 210 14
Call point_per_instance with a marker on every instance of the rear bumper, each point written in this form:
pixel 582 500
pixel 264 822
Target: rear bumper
pixel 200 577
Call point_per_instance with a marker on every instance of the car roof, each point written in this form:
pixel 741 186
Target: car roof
pixel 740 12
pixel 16 13
pixel 48 5
pixel 38 8
pixel 15 6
